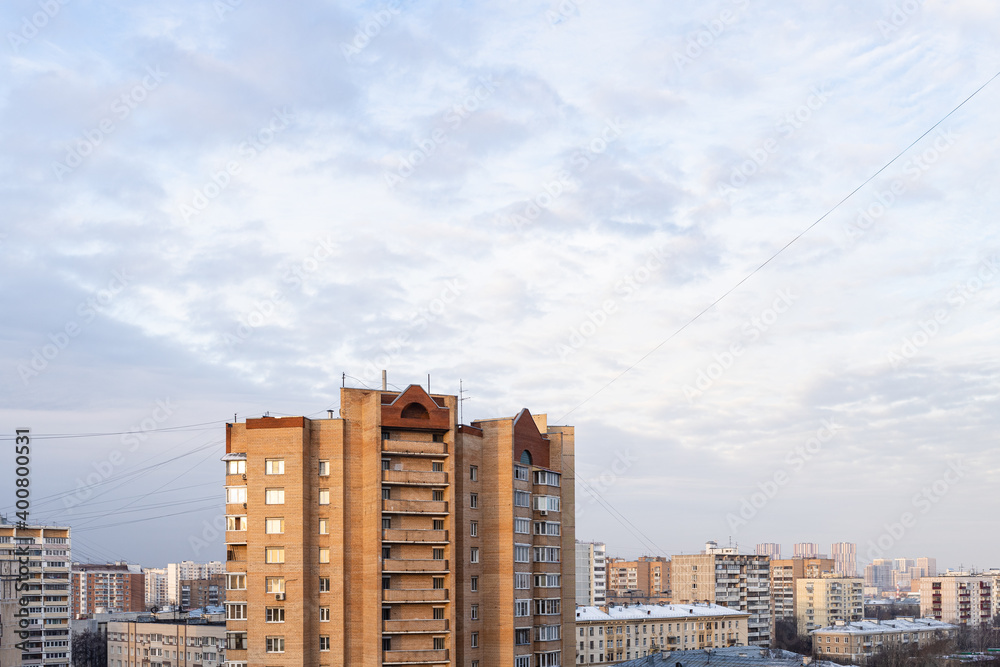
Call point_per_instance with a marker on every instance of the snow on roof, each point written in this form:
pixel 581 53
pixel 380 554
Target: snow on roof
pixel 654 612
pixel 886 627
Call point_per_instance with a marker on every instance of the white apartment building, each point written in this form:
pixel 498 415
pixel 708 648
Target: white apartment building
pixel 845 557
pixel 157 589
pixel 591 573
pixel 822 602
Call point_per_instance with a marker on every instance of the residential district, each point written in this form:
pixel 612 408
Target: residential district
pixel 393 534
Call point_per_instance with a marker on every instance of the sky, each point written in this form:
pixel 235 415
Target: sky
pixel 749 250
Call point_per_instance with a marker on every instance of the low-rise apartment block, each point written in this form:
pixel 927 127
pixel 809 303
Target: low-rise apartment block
pixel 609 635
pixel 45 587
pixel 645 580
pixel 107 588
pixel 859 641
pixel 193 642
pixel 824 601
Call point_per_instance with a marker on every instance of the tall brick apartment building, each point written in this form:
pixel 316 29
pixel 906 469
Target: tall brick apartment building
pixel 393 535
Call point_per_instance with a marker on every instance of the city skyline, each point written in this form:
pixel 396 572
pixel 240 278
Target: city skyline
pixel 606 211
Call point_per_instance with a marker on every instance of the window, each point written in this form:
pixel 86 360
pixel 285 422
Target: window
pixel 547 580
pixel 522 525
pixel 324 555
pixel 438 524
pixel 386 493
pixel 274 614
pixel 386 582
pixel 474 500
pixel 324 468
pixel 546 478
pixel 437 583
pixel 324 643
pixel 474 529
pixel 474 637
pixel 386 643
pixel 274 555
pixel 274 496
pixel 236 582
pixel 274 526
pixel 324 496
pixel 437 495
pixel 522 661
pixel 274 466
pixel 274 644
pixel 386 464
pixel 522 580
pixel 521 553
pixel 324 527
pixel 437 553
pixel 547 606
pixel 522 499
pixel 235 523
pixel 438 613
pixel 235 641
pixel 547 633
pixel 274 584
pixel 520 472
pixel 546 554
pixel 439 643
pixel 236 611
pixel 474 584
pixel 475 612
pixel 521 607
pixel 474 555
pixel 236 467
pixel 324 584
pixel 548 503
pixel 474 473
pixel 386 614
pixel 437 466
pixel 236 494
pixel 522 636
pixel 386 522
pixel 386 553
pixel 551 659
pixel 546 528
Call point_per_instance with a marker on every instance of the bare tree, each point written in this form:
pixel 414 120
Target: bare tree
pixel 90 649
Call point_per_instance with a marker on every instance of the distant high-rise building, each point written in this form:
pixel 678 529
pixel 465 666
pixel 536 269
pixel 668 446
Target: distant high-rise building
pixel 393 534
pixel 846 556
pixel 724 577
pixel 188 570
pixel 928 566
pixel 770 549
pixel 157 590
pixel 805 550
pixel 879 574
pixel 591 574
pixel 106 588
pixel 785 572
pixel 824 601
pixel 202 593
pixel 46 551
pixel 644 580
pixel 902 564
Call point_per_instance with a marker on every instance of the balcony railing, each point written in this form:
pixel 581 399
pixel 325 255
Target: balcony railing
pixel 414 565
pixel 420 536
pixel 414 595
pixel 415 448
pixel 415 626
pixel 415 477
pixel 428 657
pixel 415 506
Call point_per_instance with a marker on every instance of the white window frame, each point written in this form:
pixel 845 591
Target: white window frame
pixel 324 468
pixel 236 495
pixel 522 525
pixel 274 496
pixel 274 555
pixel 274 522
pixel 324 496
pixel 274 466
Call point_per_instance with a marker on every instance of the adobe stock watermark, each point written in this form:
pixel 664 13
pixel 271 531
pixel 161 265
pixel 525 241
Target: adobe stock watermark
pixel 788 125
pixel 898 15
pixel 370 28
pixel 452 120
pixel 265 309
pixel 566 9
pixel 621 463
pixel 712 29
pixel 59 340
pixel 254 144
pixel 210 535
pixel 224 7
pixel 914 168
pixel 130 441
pixel 751 331
pixel 627 287
pixel 553 189
pixel 922 501
pixel 120 109
pixel 928 329
pixel 795 460
pixel 32 25
pixel 419 321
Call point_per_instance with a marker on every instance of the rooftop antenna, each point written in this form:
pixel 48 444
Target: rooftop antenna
pixel 461 399
pixel 428 383
pixel 343 380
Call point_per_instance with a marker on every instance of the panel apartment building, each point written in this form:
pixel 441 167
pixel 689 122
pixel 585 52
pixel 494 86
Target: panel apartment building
pixel 393 535
pixel 785 572
pixel 591 574
pixel 723 576
pixel 107 588
pixel 962 600
pixel 824 601
pixel 46 591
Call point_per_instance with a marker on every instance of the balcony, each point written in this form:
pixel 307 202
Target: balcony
pixel 415 536
pixel 415 506
pixel 415 626
pixel 236 537
pixel 413 565
pixel 414 595
pixel 413 448
pixel 415 477
pixel 428 657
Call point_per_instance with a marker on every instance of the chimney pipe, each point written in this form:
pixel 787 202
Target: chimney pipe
pixel 384 383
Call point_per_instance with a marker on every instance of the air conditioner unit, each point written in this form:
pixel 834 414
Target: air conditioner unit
pixel 244 476
pixel 280 597
pixel 543 512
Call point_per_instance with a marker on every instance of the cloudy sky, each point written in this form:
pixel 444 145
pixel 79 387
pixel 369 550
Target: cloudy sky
pixel 657 222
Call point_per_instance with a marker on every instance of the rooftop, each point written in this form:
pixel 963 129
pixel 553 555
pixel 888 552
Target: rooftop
pixel 886 627
pixel 737 656
pixel 654 611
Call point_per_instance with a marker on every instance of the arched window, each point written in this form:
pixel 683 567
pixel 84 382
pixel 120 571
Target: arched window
pixel 526 458
pixel 415 411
